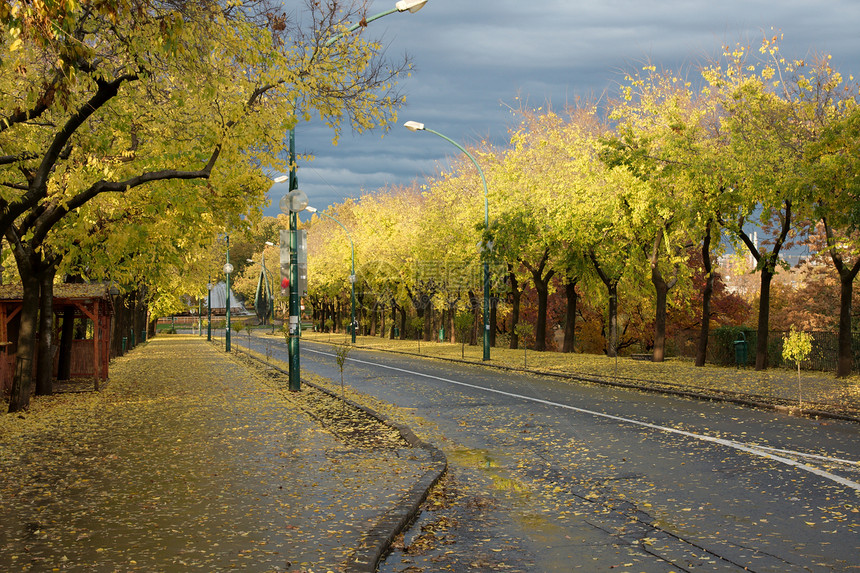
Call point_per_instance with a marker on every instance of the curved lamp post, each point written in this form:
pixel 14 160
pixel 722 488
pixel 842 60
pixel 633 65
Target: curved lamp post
pixel 415 126
pixel 352 325
pixel 411 6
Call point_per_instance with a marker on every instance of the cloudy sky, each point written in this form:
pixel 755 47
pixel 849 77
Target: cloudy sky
pixel 474 58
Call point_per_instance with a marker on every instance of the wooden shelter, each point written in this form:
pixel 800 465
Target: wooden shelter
pixel 90 349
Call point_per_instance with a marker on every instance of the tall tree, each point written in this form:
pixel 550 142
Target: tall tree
pixel 122 98
pixel 835 166
pixel 659 138
pixel 774 110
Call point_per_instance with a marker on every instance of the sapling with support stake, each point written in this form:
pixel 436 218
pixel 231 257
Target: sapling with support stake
pixel 796 347
pixel 341 353
pixel 523 330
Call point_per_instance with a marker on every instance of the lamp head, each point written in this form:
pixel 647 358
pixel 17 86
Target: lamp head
pixel 413 126
pixel 281 178
pixel 411 5
pixel 310 209
pixel 293 202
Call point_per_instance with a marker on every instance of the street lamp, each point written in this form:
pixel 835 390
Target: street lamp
pixel 415 126
pixel 209 323
pixel 228 268
pixel 411 6
pixel 352 324
pixel 292 204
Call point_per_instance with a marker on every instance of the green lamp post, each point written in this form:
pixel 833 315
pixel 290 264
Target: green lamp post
pixel 209 304
pixel 228 268
pixel 410 6
pixel 415 126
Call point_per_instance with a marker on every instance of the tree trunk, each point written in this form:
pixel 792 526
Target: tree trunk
pixel 476 313
pixel 844 357
pixel 542 288
pixel 23 378
pixel 428 322
pixel 704 331
pixel 612 339
pixel 516 296
pixel 662 289
pixel 761 362
pixel 494 303
pixel 45 365
pixel 768 270
pixel 570 316
pixel 140 316
pixel 612 292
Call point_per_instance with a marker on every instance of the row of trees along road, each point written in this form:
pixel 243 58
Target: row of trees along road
pixel 132 132
pixel 631 201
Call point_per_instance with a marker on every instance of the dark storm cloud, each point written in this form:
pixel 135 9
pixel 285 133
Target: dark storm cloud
pixel 473 59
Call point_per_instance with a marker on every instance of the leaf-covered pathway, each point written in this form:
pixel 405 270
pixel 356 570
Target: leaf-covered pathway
pixel 187 460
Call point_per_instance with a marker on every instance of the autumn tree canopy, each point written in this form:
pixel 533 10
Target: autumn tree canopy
pixel 138 109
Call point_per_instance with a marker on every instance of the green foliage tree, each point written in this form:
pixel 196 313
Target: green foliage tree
pixel 834 160
pixel 659 124
pixel 773 111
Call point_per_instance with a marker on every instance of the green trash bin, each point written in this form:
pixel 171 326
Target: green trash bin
pixel 441 335
pixel 741 351
pixel 396 332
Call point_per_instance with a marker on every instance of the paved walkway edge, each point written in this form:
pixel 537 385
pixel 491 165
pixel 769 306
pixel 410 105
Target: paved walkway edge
pixel 376 543
pixel 740 399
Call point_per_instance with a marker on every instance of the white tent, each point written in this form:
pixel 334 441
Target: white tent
pixel 219 299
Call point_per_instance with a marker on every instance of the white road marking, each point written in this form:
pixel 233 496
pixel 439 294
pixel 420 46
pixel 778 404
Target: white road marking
pixel 761 451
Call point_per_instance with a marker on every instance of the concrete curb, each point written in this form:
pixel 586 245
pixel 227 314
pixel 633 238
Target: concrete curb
pixel 376 543
pixel 643 385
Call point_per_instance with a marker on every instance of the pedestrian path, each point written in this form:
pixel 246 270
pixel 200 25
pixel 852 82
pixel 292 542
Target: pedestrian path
pixel 188 460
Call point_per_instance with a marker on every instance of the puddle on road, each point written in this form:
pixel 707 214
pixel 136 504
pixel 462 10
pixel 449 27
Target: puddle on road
pixel 495 468
pixel 500 520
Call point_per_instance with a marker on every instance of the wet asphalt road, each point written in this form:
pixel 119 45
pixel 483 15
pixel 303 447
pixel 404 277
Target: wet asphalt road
pixel 554 476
